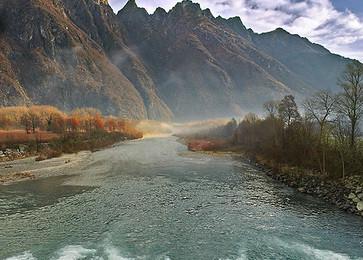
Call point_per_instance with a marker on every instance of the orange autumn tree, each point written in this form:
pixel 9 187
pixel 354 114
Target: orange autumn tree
pixel 99 122
pixel 111 124
pixel 48 118
pixel 74 123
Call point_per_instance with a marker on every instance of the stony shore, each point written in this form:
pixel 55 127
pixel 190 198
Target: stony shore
pixel 14 154
pixel 29 169
pixel 346 194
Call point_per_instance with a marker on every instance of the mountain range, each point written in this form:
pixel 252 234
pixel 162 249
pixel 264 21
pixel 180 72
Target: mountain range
pixel 181 64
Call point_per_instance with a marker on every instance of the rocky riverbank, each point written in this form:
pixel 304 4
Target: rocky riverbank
pixel 9 154
pixel 345 193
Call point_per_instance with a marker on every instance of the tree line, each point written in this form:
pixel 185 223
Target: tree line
pixel 325 137
pixel 51 119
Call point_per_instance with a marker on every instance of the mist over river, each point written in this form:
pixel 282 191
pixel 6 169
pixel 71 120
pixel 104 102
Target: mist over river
pixel 152 199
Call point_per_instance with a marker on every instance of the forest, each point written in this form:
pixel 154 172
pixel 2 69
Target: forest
pixel 49 132
pixel 323 135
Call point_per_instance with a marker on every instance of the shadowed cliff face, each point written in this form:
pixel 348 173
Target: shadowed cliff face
pixel 180 64
pixel 58 52
pixel 99 21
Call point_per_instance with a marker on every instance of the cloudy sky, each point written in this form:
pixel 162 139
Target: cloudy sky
pixel 336 24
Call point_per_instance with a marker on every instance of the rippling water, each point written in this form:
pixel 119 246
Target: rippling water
pixel 152 199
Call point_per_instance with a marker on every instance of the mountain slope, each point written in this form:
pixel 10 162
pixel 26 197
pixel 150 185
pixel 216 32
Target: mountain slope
pixel 198 64
pixel 99 21
pixel 58 57
pixel 216 66
pixel 315 64
pixel 182 64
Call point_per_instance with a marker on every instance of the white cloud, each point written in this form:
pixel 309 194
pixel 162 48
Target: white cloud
pixel 317 20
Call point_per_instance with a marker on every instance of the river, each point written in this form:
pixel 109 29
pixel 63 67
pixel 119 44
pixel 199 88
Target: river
pixel 152 199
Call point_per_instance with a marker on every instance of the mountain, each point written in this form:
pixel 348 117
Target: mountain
pixel 217 66
pixel 58 52
pixel 316 65
pixel 182 64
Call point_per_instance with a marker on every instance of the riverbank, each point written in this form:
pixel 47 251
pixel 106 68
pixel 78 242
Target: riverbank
pixel 346 194
pixel 67 143
pixel 30 169
pixel 29 162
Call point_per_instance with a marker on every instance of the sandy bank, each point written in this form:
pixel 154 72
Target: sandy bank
pixel 28 168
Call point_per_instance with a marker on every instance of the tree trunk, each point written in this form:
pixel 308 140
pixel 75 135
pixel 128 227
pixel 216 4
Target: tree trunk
pixel 352 134
pixel 324 162
pixel 343 164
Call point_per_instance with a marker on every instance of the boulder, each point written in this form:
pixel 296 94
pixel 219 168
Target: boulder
pixel 352 196
pixel 360 206
pixel 356 200
pixel 302 189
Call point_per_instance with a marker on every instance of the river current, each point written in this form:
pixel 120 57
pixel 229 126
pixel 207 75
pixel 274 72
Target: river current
pixel 152 199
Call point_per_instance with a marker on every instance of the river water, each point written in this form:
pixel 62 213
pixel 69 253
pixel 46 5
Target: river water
pixel 152 199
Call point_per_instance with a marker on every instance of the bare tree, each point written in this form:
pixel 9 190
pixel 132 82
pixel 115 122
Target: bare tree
pixel 341 134
pixel 351 100
pixel 319 108
pixel 288 110
pixel 271 108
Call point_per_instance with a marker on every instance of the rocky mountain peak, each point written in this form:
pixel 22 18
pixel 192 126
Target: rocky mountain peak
pixel 160 13
pixel 207 12
pixel 130 4
pixel 132 12
pixel 186 7
pixel 236 22
pixel 132 7
pixel 280 31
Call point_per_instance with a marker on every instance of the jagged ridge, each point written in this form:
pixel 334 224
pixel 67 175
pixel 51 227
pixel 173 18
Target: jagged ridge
pixel 185 62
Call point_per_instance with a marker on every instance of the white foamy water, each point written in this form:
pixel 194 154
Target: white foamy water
pixel 74 253
pixel 320 254
pixel 24 256
pixel 114 254
pixel 311 252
